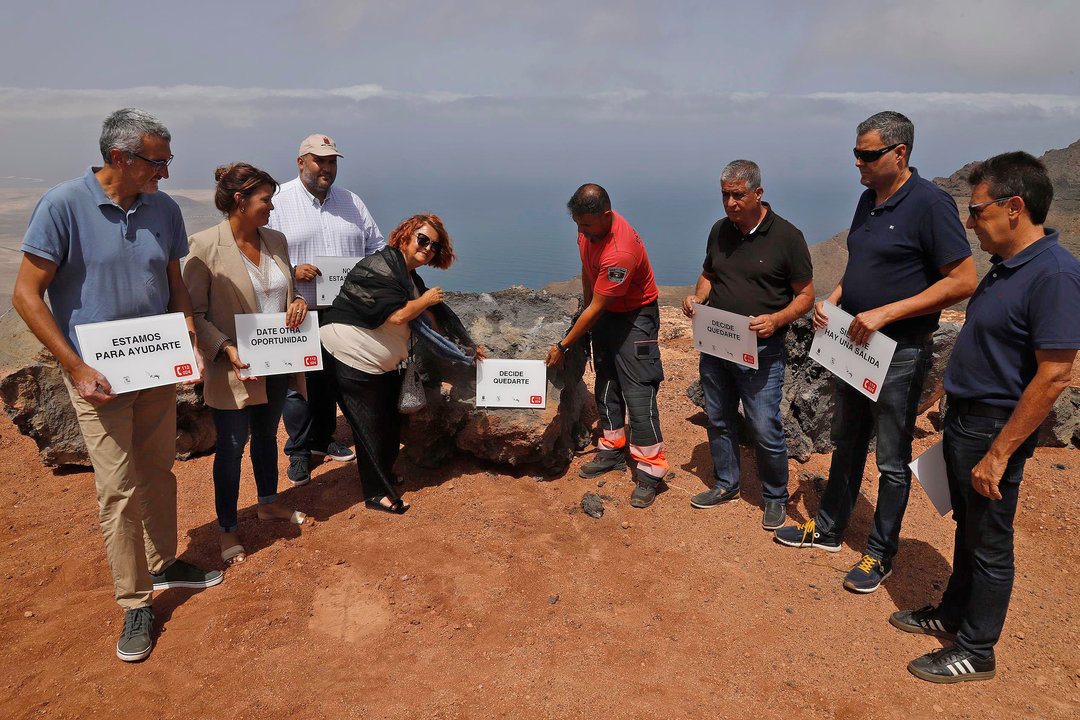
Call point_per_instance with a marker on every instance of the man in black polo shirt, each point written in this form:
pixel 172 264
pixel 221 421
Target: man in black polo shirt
pixel 1012 359
pixel 908 257
pixel 756 264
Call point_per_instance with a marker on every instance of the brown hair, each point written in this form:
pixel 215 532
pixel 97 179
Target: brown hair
pixel 238 178
pixel 444 258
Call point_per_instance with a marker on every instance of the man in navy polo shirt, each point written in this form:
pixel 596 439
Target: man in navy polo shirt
pixel 1012 359
pixel 908 258
pixel 107 246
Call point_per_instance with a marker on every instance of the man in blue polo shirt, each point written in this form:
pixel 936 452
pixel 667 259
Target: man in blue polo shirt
pixel 1012 359
pixel 107 246
pixel 908 258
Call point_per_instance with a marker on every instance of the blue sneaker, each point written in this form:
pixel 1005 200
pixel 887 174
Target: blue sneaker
pixel 867 575
pixel 807 536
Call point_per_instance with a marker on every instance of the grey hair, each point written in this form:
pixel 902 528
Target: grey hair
pixel 893 128
pixel 125 129
pixel 742 170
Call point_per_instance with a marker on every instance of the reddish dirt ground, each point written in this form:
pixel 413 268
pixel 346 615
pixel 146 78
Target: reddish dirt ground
pixel 495 596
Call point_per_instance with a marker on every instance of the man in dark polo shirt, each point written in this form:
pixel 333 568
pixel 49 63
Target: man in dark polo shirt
pixel 620 295
pixel 756 264
pixel 1012 359
pixel 908 258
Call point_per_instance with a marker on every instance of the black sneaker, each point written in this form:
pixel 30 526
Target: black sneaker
pixel 135 641
pixel 185 575
pixel 604 462
pixel 774 516
pixel 336 451
pixel 867 575
pixel 807 536
pixel 299 472
pixel 714 496
pixel 924 621
pixel 643 495
pixel 951 665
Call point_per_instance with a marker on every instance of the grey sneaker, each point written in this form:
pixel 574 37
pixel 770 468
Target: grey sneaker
pixel 775 515
pixel 299 472
pixel 643 495
pixel 135 641
pixel 604 462
pixel 714 496
pixel 185 575
pixel 336 451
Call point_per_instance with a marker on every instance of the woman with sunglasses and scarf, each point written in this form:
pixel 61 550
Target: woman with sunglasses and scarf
pixel 368 332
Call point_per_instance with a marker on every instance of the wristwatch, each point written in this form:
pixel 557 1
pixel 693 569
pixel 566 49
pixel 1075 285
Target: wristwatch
pixel 562 348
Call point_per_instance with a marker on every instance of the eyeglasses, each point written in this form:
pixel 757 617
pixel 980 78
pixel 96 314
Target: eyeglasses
pixel 869 156
pixel 976 210
pixel 158 164
pixel 425 243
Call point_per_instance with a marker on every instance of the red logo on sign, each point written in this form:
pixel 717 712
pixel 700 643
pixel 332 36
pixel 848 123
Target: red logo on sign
pixel 869 385
pixel 311 361
pixel 748 358
pixel 183 370
pixel 536 400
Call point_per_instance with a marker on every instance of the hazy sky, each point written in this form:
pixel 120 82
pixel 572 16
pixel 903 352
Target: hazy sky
pixel 493 112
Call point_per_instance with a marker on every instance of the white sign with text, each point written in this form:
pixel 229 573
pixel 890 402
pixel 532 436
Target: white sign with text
pixel 334 270
pixel 511 383
pixel 139 353
pixel 726 335
pixel 270 347
pixel 929 470
pixel 863 367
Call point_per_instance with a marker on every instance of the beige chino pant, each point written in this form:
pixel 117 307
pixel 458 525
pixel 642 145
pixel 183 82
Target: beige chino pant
pixel 131 441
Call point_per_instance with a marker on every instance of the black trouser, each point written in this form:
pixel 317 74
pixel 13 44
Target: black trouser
pixel 977 596
pixel 370 406
pixel 628 374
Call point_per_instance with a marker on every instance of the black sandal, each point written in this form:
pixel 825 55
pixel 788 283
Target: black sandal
pixel 398 507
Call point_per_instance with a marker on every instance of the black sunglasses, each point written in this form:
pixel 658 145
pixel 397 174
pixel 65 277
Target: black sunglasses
pixel 158 164
pixel 976 210
pixel 869 156
pixel 425 242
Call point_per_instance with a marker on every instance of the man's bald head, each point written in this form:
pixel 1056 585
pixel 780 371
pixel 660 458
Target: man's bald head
pixel 590 199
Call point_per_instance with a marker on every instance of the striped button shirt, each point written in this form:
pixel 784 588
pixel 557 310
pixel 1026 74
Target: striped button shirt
pixel 339 227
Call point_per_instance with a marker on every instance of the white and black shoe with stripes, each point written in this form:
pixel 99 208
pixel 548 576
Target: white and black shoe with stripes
pixel 924 621
pixel 951 665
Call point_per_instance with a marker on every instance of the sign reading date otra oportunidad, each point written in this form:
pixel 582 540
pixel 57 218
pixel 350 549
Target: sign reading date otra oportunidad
pixel 270 347
pixel 511 384
pixel 139 353
pixel 863 367
pixel 725 335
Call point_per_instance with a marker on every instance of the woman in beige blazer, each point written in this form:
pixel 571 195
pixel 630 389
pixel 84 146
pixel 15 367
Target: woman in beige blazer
pixel 239 267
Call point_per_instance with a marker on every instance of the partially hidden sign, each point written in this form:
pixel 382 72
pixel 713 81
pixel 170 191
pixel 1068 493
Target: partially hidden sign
pixel 511 383
pixel 270 347
pixel 863 367
pixel 725 335
pixel 139 353
pixel 333 272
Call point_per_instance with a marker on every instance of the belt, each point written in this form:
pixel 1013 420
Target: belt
pixel 979 409
pixel 924 339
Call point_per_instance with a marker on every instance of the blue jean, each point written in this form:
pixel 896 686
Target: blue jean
pixel 311 423
pixel 977 596
pixel 854 419
pixel 232 433
pixel 725 384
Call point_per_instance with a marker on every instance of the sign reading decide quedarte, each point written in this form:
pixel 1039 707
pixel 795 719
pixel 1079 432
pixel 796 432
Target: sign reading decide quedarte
pixel 139 353
pixel 725 335
pixel 270 347
pixel 333 272
pixel 511 384
pixel 863 367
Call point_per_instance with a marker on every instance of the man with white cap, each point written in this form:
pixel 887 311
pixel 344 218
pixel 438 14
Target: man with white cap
pixel 318 219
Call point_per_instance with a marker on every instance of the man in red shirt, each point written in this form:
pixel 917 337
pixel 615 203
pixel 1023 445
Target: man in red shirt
pixel 620 309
